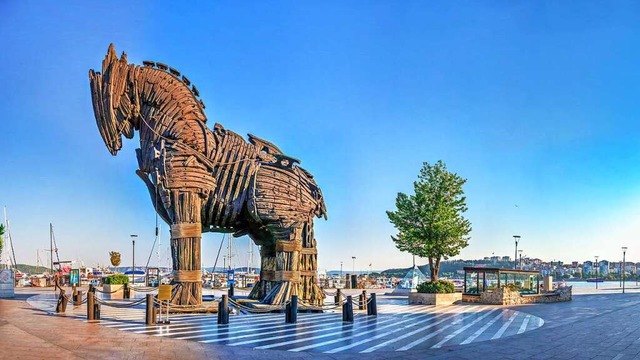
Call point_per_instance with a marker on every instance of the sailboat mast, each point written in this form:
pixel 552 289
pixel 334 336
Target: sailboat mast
pixel 13 252
pixel 230 251
pixel 51 246
pixel 158 248
pixel 250 256
pixel 6 236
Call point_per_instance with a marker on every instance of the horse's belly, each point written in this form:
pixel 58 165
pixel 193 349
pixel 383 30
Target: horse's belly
pixel 281 195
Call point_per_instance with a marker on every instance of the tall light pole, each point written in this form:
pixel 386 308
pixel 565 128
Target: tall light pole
pixel 596 272
pixel 340 272
pixel 520 253
pixel 133 274
pixel 516 238
pixel 624 252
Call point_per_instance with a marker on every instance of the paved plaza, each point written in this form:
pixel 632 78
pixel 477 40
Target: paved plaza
pixel 398 327
pixel 602 325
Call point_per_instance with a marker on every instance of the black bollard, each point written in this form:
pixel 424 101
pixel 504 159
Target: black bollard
pixel 231 290
pixel 291 315
pixel 65 300
pixel 90 305
pixel 347 310
pixel 74 291
pixel 223 310
pixel 372 309
pixel 126 294
pixel 92 288
pixel 150 319
pixel 96 311
pixel 338 297
pixel 77 301
pixel 363 301
pixel 61 306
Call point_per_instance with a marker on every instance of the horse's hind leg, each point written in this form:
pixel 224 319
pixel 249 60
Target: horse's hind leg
pixel 289 267
pixel 311 292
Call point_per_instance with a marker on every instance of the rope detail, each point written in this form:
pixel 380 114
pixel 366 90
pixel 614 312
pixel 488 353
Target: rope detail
pixel 181 276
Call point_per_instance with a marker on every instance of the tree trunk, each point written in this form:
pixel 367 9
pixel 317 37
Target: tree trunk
pixel 431 269
pixel 434 267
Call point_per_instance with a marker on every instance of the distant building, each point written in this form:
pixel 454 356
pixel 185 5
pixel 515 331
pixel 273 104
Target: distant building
pixel 506 258
pixel 603 267
pixel 587 268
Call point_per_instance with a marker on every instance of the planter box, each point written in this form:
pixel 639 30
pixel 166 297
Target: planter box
pixel 434 299
pixel 118 294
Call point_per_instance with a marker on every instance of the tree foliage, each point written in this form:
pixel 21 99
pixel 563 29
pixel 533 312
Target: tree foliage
pixel 436 287
pixel 430 222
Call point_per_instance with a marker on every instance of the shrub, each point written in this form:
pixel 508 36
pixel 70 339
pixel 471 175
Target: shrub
pixel 437 287
pixel 511 287
pixel 116 279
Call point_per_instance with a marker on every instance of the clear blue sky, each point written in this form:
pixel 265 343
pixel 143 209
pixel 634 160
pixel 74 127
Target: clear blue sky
pixel 535 103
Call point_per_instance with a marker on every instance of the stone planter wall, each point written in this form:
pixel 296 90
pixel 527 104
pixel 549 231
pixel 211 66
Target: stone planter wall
pixel 118 294
pixel 505 296
pixel 434 299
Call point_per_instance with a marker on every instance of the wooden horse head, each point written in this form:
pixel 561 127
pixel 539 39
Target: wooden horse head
pixel 114 103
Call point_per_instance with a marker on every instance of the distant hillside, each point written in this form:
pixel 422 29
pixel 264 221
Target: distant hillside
pixel 449 268
pixel 31 269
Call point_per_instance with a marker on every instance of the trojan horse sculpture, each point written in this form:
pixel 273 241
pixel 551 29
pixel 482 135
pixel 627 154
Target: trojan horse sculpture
pixel 204 180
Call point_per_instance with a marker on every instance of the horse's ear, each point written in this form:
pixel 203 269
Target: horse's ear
pixel 109 59
pixel 111 53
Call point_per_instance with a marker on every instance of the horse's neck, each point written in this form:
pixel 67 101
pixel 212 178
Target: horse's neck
pixel 167 109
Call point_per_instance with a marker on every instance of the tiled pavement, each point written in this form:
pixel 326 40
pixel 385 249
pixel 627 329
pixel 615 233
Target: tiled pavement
pixel 396 328
pixel 603 326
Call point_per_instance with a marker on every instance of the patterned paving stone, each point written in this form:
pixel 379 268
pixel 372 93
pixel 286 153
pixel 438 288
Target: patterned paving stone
pixel 397 327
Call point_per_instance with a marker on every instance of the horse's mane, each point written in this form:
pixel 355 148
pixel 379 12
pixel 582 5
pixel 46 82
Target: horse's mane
pixel 175 73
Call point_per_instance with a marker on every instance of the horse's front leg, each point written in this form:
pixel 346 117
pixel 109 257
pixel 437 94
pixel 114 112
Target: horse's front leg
pixel 186 235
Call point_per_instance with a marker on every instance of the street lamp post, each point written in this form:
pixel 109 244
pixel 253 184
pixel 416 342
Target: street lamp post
pixel 516 238
pixel 624 252
pixel 520 253
pixel 596 272
pixel 340 282
pixel 133 244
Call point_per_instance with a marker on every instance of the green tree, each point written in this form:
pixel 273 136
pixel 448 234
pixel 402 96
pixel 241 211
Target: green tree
pixel 430 222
